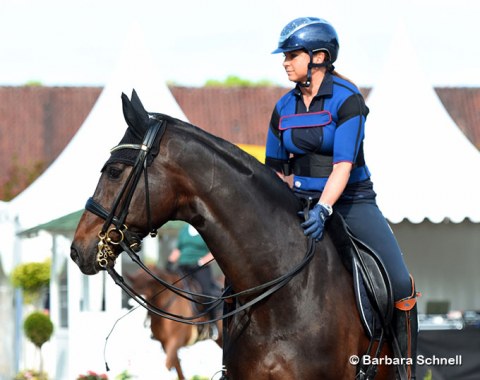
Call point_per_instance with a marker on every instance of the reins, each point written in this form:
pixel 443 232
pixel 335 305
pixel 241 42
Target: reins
pixel 119 235
pixel 268 288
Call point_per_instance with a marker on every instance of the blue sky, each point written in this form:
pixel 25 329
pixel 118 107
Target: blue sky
pixel 78 42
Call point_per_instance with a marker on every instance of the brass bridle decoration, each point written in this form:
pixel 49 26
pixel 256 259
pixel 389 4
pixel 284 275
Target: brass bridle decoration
pixel 104 249
pixel 107 236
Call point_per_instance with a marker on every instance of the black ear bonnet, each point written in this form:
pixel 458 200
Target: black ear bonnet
pixel 139 121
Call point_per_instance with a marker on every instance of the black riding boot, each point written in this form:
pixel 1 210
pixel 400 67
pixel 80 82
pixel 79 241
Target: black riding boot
pixel 405 324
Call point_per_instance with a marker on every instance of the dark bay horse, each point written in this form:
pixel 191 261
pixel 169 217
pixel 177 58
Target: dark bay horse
pixel 172 335
pixel 309 329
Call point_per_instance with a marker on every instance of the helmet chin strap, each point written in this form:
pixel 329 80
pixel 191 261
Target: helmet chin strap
pixel 311 65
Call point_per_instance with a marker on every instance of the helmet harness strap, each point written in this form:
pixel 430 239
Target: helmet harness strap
pixel 311 65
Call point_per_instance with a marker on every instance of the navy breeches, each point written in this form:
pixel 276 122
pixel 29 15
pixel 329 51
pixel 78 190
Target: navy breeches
pixel 204 278
pixel 368 224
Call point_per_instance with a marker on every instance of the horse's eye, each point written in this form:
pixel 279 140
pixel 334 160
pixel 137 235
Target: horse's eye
pixel 114 172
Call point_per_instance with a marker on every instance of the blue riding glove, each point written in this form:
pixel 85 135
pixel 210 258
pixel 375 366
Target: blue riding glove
pixel 315 223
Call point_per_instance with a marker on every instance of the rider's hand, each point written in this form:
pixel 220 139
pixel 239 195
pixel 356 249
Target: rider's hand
pixel 315 223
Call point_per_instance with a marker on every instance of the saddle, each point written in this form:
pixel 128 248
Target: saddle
pixel 373 292
pixel 372 286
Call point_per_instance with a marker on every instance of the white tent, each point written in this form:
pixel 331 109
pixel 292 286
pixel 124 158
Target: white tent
pixel 65 186
pixel 80 330
pixel 425 172
pixel 422 165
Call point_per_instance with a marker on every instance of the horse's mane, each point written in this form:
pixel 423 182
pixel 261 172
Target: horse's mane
pixel 237 159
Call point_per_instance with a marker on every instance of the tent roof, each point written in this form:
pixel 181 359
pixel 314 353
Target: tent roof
pixel 423 166
pixel 64 225
pixel 67 224
pixel 66 185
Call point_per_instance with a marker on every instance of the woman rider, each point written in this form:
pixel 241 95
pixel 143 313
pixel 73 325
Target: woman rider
pixel 316 132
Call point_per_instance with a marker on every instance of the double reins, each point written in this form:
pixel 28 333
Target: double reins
pixel 265 290
pixel 119 235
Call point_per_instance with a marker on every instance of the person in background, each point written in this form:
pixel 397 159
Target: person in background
pixel 191 257
pixel 316 133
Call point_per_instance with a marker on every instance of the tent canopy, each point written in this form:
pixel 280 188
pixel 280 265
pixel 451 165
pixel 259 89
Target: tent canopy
pixel 64 225
pixel 423 166
pixel 68 182
pixel 67 224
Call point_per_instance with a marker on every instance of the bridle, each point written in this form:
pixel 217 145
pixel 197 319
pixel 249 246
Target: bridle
pixel 119 233
pixel 116 233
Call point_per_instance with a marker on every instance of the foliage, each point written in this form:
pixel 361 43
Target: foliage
pixel 124 376
pixel 33 83
pixel 32 278
pixel 30 374
pixel 235 81
pixel 19 177
pixel 38 328
pixel 91 375
pixel 428 375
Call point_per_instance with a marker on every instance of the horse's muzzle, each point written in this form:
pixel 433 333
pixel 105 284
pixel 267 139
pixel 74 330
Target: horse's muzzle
pixel 87 267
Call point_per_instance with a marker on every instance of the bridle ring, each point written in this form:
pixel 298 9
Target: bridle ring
pixel 111 238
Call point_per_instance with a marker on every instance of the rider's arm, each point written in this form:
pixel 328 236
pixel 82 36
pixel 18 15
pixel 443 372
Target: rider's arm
pixel 336 183
pixel 205 259
pixel 174 256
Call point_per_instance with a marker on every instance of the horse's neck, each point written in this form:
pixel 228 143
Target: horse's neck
pixel 246 215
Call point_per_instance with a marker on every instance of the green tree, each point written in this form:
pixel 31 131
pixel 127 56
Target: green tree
pixel 33 83
pixel 33 278
pixel 38 329
pixel 236 81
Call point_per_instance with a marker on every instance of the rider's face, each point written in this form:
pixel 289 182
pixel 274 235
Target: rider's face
pixel 296 65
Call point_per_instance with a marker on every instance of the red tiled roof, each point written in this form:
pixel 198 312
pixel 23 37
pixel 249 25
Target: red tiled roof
pixel 36 123
pixel 463 106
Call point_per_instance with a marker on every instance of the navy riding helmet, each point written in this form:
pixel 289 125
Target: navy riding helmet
pixel 311 34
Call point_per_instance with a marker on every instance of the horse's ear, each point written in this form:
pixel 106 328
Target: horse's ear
pixel 142 114
pixel 128 111
pixel 133 111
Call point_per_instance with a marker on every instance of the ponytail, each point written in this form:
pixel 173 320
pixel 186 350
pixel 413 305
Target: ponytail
pixel 337 74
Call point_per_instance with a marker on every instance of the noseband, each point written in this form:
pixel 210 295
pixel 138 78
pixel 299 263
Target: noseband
pixel 117 234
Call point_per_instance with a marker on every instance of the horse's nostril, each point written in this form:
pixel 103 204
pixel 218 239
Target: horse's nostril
pixel 74 255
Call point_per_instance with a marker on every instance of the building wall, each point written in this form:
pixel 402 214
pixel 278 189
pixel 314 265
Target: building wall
pixel 444 259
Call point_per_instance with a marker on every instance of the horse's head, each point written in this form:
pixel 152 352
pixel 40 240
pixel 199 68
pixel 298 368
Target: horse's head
pixel 118 215
pixel 199 178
